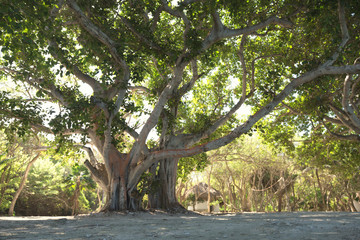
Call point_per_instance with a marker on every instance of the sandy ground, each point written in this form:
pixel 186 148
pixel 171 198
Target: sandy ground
pixel 278 226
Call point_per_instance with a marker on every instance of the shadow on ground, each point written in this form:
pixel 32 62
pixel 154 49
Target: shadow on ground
pixel 277 226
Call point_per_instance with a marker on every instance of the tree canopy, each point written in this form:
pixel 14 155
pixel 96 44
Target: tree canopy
pixel 182 69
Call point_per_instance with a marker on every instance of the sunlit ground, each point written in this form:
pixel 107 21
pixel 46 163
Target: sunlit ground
pixel 297 225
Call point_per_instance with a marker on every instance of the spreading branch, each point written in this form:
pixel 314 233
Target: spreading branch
pixel 151 122
pixel 98 34
pixel 245 127
pixel 142 89
pixel 342 116
pixel 349 137
pixel 195 76
pixel 345 37
pixel 107 134
pixel 346 102
pixel 220 32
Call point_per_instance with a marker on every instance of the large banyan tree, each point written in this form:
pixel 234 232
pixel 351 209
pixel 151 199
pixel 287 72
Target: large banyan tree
pixel 180 69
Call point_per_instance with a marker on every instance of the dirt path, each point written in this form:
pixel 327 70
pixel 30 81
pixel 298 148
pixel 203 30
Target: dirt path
pixel 277 226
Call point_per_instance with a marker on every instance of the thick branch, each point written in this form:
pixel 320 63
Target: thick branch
pixel 354 92
pixel 55 11
pixel 344 118
pixel 156 18
pixel 107 134
pixel 344 34
pixel 139 89
pixel 92 157
pixel 51 90
pixel 8 70
pixel 333 120
pixel 155 114
pixel 132 132
pixel 195 76
pixel 99 174
pixel 218 25
pixel 101 105
pixel 95 85
pixel 56 52
pixel 92 82
pixel 219 33
pixel 38 100
pixel 96 32
pixel 177 13
pixel 346 102
pixel 350 137
pixel 245 127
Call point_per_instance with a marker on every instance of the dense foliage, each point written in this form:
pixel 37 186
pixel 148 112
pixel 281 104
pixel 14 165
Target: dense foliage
pixel 56 184
pixel 107 76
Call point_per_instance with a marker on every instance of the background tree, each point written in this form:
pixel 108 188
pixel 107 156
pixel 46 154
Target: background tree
pixel 44 188
pixel 325 114
pixel 17 157
pixel 53 189
pixel 170 52
pixel 22 184
pixel 253 176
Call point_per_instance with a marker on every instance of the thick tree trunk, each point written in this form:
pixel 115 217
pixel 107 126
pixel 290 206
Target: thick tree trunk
pixel 154 194
pixel 118 196
pixel 120 199
pixel 164 196
pixel 113 180
pixel 100 176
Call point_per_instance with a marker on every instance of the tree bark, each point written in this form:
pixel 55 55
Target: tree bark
pixel 113 180
pixel 22 184
pixel 165 172
pixel 153 195
pixel 164 197
pixel 120 199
